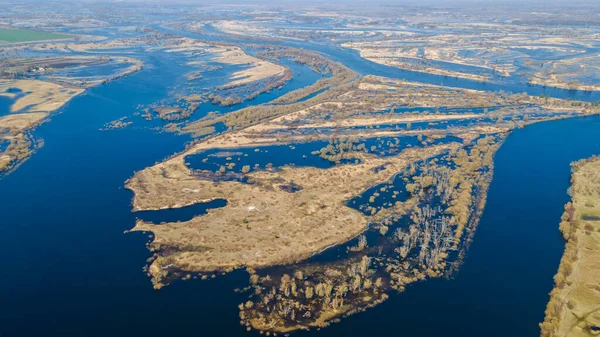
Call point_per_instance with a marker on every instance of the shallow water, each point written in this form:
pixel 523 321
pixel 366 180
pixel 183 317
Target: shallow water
pixel 275 156
pixel 353 60
pixel 5 104
pixel 502 288
pixel 179 214
pixel 104 70
pixel 69 268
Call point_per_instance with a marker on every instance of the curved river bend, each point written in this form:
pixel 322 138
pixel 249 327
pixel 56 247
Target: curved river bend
pixel 502 287
pixel 68 268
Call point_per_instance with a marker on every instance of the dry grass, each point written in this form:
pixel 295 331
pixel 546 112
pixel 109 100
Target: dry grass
pixel 21 122
pixel 574 307
pixel 261 225
pixel 257 69
pixel 41 96
pixel 490 53
pixel 393 56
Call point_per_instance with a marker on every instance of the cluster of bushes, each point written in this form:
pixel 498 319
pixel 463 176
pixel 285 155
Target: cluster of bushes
pixel 313 296
pixel 556 305
pixel 584 186
pixel 231 95
pixel 18 150
pixel 337 84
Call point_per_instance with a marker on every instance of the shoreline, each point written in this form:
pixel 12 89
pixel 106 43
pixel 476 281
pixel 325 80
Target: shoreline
pixel 572 308
pixel 42 100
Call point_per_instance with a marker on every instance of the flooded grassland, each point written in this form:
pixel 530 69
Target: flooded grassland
pixel 438 43
pixel 36 88
pixel 40 79
pixel 321 161
pixel 303 177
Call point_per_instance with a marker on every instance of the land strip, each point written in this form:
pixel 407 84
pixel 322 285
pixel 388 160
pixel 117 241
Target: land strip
pixel 573 309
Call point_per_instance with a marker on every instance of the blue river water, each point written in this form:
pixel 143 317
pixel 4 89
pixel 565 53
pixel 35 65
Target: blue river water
pixel 353 60
pixel 502 287
pixel 68 267
pixel 5 104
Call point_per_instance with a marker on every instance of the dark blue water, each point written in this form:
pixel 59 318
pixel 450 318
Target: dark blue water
pixel 72 271
pixel 5 104
pixel 299 155
pixel 68 269
pixel 3 144
pixel 353 60
pixel 69 266
pixel 179 214
pixel 274 155
pixel 502 288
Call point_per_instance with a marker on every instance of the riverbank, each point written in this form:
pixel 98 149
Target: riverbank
pixel 573 307
pixel 263 224
pixel 32 103
pixel 32 99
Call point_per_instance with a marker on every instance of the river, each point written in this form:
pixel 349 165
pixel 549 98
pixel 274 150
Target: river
pixel 352 59
pixel 502 287
pixel 68 269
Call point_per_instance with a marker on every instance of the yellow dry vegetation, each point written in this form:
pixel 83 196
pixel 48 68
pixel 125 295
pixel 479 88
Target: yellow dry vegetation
pixel 394 57
pixel 20 122
pixel 40 96
pixel 557 73
pixel 39 99
pixel 574 306
pixel 373 121
pixel 257 68
pixel 5 161
pixel 262 224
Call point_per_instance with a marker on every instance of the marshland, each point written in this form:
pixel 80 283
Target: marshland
pixel 314 169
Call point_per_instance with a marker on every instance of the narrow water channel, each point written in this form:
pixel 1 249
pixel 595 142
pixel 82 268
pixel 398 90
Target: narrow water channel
pixel 68 267
pixel 353 60
pixel 502 288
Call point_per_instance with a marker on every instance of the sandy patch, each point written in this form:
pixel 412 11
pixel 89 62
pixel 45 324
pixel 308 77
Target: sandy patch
pixel 41 95
pixel 20 122
pixel 257 70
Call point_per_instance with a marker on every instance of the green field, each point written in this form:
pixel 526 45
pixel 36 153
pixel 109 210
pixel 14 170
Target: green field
pixel 22 35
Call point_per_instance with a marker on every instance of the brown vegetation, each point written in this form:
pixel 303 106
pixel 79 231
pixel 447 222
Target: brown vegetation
pixel 573 307
pixel 262 224
pixel 319 293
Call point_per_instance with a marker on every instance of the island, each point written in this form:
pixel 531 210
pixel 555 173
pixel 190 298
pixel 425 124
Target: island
pixel 169 168
pixel 370 157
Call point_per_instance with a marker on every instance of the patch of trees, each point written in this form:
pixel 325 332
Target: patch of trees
pixel 319 64
pixel 261 113
pixel 585 194
pixel 18 150
pixel 340 149
pixel 311 296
